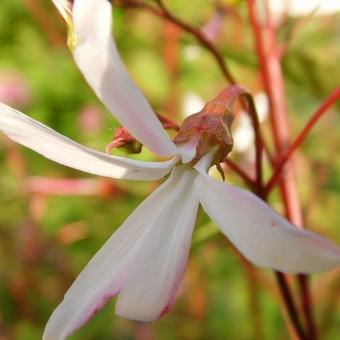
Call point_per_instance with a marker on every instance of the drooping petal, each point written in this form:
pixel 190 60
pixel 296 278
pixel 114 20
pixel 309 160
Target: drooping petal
pixel 151 287
pixel 63 150
pixel 145 259
pixel 97 57
pixel 263 236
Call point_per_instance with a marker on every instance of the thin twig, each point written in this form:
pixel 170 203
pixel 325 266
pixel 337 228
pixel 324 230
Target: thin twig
pixel 290 305
pixel 232 165
pixel 300 139
pixel 271 74
pixel 200 37
pixel 258 139
pixel 164 12
pixel 306 306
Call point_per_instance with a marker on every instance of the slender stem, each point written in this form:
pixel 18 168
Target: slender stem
pixel 273 84
pixel 172 35
pixel 201 38
pixel 300 139
pixel 40 14
pixel 164 12
pixel 306 306
pixel 248 180
pixel 258 139
pixel 168 123
pixel 290 305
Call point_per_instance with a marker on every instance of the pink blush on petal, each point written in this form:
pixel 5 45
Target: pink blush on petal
pixel 104 299
pixel 177 284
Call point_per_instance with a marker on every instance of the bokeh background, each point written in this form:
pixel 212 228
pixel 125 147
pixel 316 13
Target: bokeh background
pixel 53 219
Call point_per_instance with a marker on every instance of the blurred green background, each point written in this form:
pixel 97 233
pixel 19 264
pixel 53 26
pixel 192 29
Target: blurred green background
pixel 46 238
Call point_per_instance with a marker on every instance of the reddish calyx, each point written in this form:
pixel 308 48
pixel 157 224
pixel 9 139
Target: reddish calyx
pixel 122 139
pixel 207 130
pixel 210 128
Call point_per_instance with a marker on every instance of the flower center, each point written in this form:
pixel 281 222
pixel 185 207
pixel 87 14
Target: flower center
pixel 209 129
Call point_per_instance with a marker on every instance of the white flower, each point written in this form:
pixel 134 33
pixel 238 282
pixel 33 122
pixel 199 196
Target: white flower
pixel 145 259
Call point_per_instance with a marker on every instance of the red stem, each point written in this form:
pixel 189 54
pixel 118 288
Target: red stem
pixel 172 35
pixel 248 180
pixel 290 305
pixel 273 84
pixel 258 140
pixel 306 306
pixel 166 14
pixel 200 37
pixel 300 139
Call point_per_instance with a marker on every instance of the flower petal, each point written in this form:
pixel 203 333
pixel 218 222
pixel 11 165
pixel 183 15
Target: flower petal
pixel 188 150
pixel 151 286
pixel 63 150
pixel 263 236
pixel 97 57
pixel 151 247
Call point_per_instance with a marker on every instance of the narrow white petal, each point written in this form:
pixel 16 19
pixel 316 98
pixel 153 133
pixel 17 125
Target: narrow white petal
pixel 204 164
pixel 188 150
pixel 63 150
pixel 151 246
pixel 97 57
pixel 159 264
pixel 263 236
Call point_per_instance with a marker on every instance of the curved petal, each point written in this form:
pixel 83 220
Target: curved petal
pixel 263 236
pixel 63 150
pixel 97 57
pixel 145 259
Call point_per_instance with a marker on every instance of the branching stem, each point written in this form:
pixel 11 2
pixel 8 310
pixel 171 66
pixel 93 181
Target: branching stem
pixel 271 74
pixel 164 12
pixel 300 139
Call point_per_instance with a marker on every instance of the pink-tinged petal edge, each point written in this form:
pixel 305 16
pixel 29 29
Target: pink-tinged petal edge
pixel 263 236
pixel 96 55
pixel 151 289
pixel 151 246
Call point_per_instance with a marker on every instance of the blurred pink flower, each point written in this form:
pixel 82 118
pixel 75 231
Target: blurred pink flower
pixel 14 90
pixel 90 119
pixel 212 29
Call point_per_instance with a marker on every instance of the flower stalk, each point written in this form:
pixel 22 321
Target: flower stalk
pixel 270 69
pixel 163 12
pixel 279 167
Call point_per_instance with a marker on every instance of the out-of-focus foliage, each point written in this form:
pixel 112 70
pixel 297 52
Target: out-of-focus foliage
pixel 45 240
